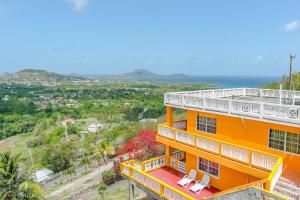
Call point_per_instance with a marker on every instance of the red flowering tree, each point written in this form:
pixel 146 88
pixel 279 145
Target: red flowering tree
pixel 143 147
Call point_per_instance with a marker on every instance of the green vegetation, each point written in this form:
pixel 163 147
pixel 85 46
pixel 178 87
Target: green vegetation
pixel 15 184
pixel 51 122
pixel 285 82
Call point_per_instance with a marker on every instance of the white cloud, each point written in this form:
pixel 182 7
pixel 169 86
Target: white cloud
pixel 291 26
pixel 78 5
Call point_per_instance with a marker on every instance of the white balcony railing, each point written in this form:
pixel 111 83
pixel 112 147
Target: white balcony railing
pixel 258 159
pixel 219 101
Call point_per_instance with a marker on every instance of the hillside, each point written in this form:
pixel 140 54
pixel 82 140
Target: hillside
pixel 146 73
pixel 285 82
pixel 35 75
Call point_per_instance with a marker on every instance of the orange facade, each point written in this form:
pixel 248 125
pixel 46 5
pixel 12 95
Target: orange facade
pixel 245 132
pixel 249 133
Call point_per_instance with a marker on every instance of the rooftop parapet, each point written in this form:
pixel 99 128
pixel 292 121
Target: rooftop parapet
pixel 265 104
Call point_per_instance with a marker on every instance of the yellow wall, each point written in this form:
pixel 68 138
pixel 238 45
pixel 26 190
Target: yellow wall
pixel 250 133
pixel 228 178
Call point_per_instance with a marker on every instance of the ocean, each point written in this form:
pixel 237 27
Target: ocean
pixel 221 81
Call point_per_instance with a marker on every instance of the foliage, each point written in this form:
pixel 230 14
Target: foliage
pixel 108 177
pixel 58 157
pixel 105 150
pixel 285 82
pixel 143 146
pixel 13 183
pixel 73 129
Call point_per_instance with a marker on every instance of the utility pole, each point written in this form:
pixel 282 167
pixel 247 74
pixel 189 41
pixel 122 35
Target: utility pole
pixel 291 66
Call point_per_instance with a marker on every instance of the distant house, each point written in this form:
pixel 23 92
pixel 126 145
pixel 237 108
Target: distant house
pixel 41 175
pixel 104 103
pixel 149 120
pixel 5 98
pixel 94 127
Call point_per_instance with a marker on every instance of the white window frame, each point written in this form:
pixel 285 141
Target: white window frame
pixel 212 175
pixel 206 124
pixel 285 142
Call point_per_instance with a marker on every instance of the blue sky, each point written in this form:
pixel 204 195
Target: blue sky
pixel 195 37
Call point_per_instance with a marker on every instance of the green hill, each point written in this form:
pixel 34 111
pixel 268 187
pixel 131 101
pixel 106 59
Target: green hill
pixel 38 75
pixel 285 82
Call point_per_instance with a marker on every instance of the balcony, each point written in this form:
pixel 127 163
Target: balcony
pixel 160 177
pixel 266 166
pixel 273 105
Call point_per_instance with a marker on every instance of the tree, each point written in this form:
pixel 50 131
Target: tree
pixel 59 156
pixel 85 161
pixel 13 183
pixel 143 146
pixel 105 149
pixel 73 129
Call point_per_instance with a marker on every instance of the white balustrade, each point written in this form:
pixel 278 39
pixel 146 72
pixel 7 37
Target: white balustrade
pixel 125 170
pixel 217 104
pixel 263 160
pixel 166 132
pixel 287 112
pixel 155 164
pixel 172 195
pixel 241 107
pixel 219 101
pixel 186 138
pixel 276 176
pixel 137 165
pixel 208 144
pixel 235 152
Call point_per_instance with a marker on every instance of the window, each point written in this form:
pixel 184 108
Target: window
pixel 276 139
pixel 208 167
pixel 293 142
pixel 206 124
pixel 284 141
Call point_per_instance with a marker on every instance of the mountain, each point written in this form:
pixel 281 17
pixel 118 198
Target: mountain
pixel 143 73
pixel 37 75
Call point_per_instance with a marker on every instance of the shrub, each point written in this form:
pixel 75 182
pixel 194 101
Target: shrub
pixel 34 142
pixel 108 177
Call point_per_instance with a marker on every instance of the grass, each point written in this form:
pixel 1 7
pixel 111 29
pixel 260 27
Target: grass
pixel 118 190
pixel 16 144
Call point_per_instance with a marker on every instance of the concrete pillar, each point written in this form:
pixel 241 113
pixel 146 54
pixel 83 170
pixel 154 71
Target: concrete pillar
pixel 169 115
pixel 131 190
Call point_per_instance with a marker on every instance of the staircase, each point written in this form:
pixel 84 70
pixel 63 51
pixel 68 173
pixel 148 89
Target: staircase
pixel 287 188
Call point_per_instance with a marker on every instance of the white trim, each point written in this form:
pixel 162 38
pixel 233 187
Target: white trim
pixel 204 172
pixel 285 151
pixel 205 125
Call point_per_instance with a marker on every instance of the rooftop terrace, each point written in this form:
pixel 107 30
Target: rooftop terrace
pixel 265 104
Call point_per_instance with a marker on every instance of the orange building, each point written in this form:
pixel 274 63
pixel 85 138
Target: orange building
pixel 241 138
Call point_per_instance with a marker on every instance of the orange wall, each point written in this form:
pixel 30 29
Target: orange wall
pixel 250 133
pixel 228 178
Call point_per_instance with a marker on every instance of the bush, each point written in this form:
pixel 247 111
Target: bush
pixel 34 142
pixel 108 177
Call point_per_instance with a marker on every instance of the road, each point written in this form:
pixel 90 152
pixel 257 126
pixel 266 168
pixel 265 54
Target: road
pixel 80 183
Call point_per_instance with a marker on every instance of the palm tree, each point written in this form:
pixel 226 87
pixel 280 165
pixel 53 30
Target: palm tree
pixel 105 149
pixel 14 184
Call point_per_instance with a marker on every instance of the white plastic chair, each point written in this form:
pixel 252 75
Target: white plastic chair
pixel 186 180
pixel 200 185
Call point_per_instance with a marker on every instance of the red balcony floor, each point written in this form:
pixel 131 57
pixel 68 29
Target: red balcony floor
pixel 171 177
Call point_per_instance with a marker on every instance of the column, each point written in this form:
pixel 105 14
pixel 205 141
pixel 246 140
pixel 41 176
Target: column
pixel 169 115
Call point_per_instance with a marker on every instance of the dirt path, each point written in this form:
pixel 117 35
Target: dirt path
pixel 80 183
